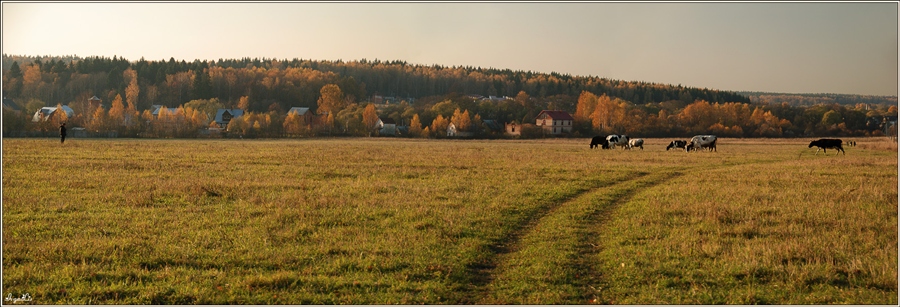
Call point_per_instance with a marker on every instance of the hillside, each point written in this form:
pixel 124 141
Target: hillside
pixel 407 93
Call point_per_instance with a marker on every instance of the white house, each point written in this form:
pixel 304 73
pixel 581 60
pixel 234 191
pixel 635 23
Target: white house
pixel 386 126
pixel 555 122
pixel 45 113
pixel 453 131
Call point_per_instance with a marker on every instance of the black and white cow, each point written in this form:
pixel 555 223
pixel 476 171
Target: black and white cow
pixel 632 143
pixel 676 144
pixel 702 141
pixel 615 139
pixel 599 141
pixel 823 144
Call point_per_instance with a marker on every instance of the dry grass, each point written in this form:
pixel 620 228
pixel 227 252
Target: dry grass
pixel 386 221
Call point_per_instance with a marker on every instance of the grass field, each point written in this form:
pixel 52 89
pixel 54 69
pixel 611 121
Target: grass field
pixel 401 221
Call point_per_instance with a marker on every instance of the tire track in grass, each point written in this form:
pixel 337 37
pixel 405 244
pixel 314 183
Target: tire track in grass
pixel 548 261
pixel 481 272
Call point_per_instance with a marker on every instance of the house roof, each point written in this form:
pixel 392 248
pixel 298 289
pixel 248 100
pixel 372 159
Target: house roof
pixel 557 115
pixel 492 124
pixel 47 111
pixel 94 98
pixel 235 113
pixel 298 110
pixel 156 109
pixel 10 104
pixel 388 121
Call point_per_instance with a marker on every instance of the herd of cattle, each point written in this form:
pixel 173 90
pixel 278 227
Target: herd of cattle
pixel 698 142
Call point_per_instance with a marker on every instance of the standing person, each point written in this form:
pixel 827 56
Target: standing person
pixel 62 133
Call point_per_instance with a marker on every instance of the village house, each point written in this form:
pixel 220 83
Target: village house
pixel 386 126
pixel 304 113
pixel 555 122
pixel 513 129
pixel 45 113
pixel 452 130
pixel 492 126
pixel 154 110
pixel 224 116
pixel 94 103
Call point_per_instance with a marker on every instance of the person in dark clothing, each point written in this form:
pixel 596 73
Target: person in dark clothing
pixel 62 133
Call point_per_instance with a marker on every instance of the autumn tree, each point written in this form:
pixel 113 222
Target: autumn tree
pixel 293 125
pixel 370 118
pixel 523 99
pixel 244 103
pixel 99 121
pixel 350 120
pixel 439 125
pixel 584 111
pixel 831 118
pixel 132 92
pixel 461 120
pixel 415 126
pixel 331 99
pixel 117 113
pixel 209 107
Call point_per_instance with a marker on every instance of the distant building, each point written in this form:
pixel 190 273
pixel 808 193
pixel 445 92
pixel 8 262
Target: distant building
pixel 154 110
pixel 45 113
pixel 555 122
pixel 224 116
pixel 386 126
pixel 513 129
pixel 8 104
pixel 492 126
pixel 304 113
pixel 94 102
pixel 452 130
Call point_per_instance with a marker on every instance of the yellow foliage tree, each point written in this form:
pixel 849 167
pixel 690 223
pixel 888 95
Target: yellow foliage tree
pixel 370 118
pixel 117 112
pixel 439 125
pixel 415 126
pixel 331 99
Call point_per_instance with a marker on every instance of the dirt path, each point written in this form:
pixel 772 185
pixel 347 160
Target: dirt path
pixel 518 268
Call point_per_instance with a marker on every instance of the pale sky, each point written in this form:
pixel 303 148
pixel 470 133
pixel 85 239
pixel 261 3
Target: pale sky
pixel 845 48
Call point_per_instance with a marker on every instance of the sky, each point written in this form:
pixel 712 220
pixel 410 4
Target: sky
pixel 784 47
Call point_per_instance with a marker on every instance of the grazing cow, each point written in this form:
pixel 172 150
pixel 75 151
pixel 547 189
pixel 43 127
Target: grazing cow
pixel 632 143
pixel 676 144
pixel 599 141
pixel 614 139
pixel 702 141
pixel 824 144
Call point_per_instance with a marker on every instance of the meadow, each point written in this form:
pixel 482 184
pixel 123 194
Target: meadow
pixel 407 221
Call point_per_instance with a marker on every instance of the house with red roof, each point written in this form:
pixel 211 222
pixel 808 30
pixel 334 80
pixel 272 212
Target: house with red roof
pixel 555 122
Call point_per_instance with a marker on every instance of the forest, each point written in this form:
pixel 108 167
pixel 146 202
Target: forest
pixel 348 98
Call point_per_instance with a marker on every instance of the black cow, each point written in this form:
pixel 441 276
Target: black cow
pixel 676 144
pixel 824 144
pixel 599 141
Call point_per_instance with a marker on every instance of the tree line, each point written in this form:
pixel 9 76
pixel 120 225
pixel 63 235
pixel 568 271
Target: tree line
pixel 340 94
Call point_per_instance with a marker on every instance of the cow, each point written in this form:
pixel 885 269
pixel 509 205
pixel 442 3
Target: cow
pixel 824 144
pixel 676 144
pixel 632 143
pixel 599 141
pixel 702 141
pixel 614 139
pixel 689 147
